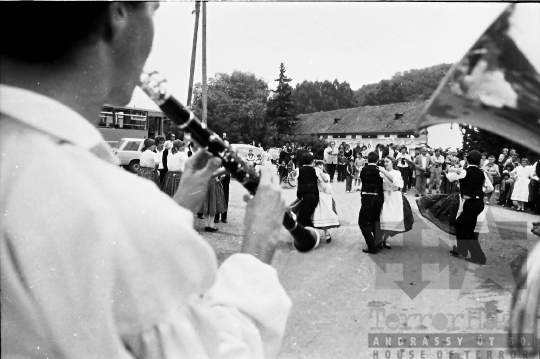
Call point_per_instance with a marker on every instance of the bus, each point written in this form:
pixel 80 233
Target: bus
pixel 117 122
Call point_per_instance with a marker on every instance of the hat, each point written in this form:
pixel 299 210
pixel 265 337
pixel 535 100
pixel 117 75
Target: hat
pixel 149 142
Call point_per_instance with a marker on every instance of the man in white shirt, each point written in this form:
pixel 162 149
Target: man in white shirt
pixel 160 147
pixel 421 162
pixel 89 267
pixel 435 170
pixel 169 144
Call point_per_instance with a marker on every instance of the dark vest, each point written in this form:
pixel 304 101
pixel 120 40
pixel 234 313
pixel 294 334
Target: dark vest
pixel 371 180
pixel 471 185
pixel 307 181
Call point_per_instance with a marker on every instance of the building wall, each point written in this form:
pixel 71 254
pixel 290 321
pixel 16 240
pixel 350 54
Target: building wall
pixel 411 143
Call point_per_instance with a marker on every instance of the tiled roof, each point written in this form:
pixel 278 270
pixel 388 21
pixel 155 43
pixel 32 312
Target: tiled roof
pixel 362 120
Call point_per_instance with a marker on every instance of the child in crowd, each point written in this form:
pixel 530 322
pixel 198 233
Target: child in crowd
pixel 358 164
pixel 506 190
pixel 349 175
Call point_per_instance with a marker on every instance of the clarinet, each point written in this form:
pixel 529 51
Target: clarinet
pixel 304 238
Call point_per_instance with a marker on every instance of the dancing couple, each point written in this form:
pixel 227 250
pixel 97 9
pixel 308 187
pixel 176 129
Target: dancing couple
pixel 462 214
pixel 315 205
pixel 385 211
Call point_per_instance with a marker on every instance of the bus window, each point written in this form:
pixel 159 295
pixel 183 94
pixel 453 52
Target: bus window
pixel 131 119
pixel 106 117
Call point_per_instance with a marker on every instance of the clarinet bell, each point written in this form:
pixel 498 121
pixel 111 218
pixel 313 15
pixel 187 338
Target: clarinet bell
pixel 305 238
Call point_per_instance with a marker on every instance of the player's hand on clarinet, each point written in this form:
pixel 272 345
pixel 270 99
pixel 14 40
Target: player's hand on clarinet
pixel 199 170
pixel 264 217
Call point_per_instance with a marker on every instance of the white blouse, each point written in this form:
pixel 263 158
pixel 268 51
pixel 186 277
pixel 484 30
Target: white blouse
pixel 395 184
pixel 177 162
pixel 148 159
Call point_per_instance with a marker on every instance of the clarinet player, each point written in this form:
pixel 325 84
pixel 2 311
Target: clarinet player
pixel 119 282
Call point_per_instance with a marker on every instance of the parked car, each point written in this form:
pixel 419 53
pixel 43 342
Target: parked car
pixel 128 152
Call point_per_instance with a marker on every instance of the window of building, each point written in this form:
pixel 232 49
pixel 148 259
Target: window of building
pixel 353 136
pixel 403 136
pixel 369 136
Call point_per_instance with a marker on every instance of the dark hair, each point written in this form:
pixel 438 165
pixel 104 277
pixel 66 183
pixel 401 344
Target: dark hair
pixel 51 29
pixel 307 158
pixel 474 157
pixel 319 162
pixel 372 157
pixel 147 143
pixel 484 154
pixel 159 139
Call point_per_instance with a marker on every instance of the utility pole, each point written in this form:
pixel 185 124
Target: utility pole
pixel 204 82
pixel 193 52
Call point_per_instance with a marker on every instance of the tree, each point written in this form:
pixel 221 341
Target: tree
pixel 412 85
pixel 280 108
pixel 318 96
pixel 236 106
pixel 484 141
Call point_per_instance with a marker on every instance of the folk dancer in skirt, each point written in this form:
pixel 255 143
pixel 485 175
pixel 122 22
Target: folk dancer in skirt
pixel 213 204
pixel 462 214
pixel 325 214
pixel 396 214
pixel 522 175
pixel 148 163
pixel 176 162
pixel 372 199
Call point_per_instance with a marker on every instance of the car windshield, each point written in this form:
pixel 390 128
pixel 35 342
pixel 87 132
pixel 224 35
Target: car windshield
pixel 132 146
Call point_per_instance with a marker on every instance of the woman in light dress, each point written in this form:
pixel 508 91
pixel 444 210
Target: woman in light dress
pixel 522 174
pixel 148 162
pixel 396 214
pixel 325 215
pixel 176 162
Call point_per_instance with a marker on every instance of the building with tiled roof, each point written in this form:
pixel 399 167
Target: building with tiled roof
pixel 392 123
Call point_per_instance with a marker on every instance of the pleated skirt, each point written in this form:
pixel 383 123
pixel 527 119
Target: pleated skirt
pixel 171 182
pixel 150 174
pixel 215 199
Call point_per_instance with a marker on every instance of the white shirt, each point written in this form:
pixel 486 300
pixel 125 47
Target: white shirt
pixel 437 161
pixel 395 184
pixel 147 159
pixel 406 156
pixel 168 144
pixel 266 156
pixel 159 158
pixel 177 161
pixel 454 176
pixel 424 160
pixel 87 270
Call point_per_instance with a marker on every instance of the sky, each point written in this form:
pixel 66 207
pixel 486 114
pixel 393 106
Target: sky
pixel 360 43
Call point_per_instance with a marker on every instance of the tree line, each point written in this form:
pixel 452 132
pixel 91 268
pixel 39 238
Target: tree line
pixel 245 108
